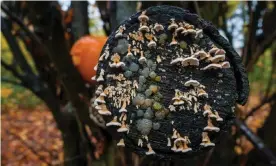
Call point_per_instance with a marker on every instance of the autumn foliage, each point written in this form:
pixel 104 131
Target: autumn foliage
pixel 30 137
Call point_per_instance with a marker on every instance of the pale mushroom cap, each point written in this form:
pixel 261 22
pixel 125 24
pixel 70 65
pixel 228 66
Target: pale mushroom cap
pixel 176 98
pixel 180 102
pixel 122 110
pixel 98 91
pixel 217 58
pixel 151 44
pixel 186 150
pixel 179 29
pixel 194 83
pixel 100 78
pixel 104 112
pixel 212 66
pixel 142 59
pixel 99 100
pixel 143 17
pixel 122 129
pixel 112 65
pixel 190 61
pixel 184 32
pixel 129 54
pixel 225 64
pixel 112 123
pixel 206 112
pixel 173 43
pixel 220 51
pixel 144 28
pixel 103 94
pixel 203 94
pixel 191 31
pixel 120 64
pixel 121 143
pixel 179 139
pixel 158 27
pixel 96 67
pixel 208 128
pixel 219 119
pixel 174 61
pixel 213 50
pixel 200 54
pixel 207 144
pixel 199 33
pixel 150 152
pixel 173 25
pixel 119 34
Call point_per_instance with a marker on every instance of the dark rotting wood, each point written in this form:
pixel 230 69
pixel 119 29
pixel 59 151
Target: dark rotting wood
pixel 168 83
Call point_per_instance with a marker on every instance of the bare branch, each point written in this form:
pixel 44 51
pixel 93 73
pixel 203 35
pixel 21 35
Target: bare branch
pixel 256 141
pixel 38 50
pixel 260 50
pixel 80 25
pixel 15 48
pixel 54 40
pixel 268 100
pixel 208 157
pixel 253 25
pixel 197 8
pixel 6 80
pixel 224 25
pixel 14 18
pixel 11 69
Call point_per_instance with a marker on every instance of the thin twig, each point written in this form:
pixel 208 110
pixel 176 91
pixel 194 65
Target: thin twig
pixel 18 55
pixel 208 157
pixel 256 141
pixel 14 18
pixel 224 25
pixel 12 69
pixel 268 100
pixel 253 26
pixel 6 80
pixel 260 49
pixel 249 33
pixel 197 8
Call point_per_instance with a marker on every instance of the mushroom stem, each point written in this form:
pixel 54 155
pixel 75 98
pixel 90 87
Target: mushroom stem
pixel 206 140
pixel 210 126
pixel 150 150
pixel 114 122
pixel 121 143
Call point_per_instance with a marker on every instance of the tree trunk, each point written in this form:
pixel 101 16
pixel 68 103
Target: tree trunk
pixel 80 23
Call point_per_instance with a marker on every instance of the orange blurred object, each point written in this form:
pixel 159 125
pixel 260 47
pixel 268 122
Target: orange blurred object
pixel 85 54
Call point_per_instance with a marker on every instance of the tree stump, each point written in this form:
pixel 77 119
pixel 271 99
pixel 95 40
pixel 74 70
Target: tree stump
pixel 168 84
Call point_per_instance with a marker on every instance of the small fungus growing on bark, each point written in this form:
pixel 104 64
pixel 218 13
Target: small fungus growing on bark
pixel 162 78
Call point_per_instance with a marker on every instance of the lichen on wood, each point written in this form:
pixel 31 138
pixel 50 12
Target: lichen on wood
pixel 171 85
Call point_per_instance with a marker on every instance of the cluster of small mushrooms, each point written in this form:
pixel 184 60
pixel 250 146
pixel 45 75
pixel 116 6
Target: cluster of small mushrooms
pixel 129 76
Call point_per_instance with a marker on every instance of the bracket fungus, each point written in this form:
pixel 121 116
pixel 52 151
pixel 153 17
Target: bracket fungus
pixel 176 93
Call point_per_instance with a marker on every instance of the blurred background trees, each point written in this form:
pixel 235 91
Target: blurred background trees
pixel 43 87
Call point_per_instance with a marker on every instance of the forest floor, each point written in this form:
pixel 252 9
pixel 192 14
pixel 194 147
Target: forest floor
pixel 30 138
